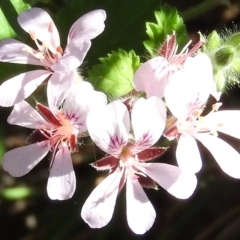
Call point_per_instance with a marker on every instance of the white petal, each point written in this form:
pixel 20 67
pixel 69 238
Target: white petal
pixel 148 121
pixel 178 183
pixel 109 127
pixel 62 181
pixel 26 116
pixel 73 56
pixel 14 51
pixel 38 22
pixel 226 121
pixel 20 87
pixel 58 88
pixel 140 212
pixel 153 76
pixel 176 98
pixel 98 209
pixel 20 161
pixel 88 26
pixel 225 155
pixel 188 155
pixel 190 87
pixel 81 98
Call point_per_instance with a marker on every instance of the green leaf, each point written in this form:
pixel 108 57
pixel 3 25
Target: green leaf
pixel 168 21
pixel 9 10
pixel 114 76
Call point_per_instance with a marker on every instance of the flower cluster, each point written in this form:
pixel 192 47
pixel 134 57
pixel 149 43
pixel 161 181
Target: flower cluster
pixel 174 92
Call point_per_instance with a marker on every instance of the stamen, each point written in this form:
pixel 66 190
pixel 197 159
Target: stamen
pixel 33 35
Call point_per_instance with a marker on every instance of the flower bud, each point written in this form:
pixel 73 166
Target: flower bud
pixel 224 54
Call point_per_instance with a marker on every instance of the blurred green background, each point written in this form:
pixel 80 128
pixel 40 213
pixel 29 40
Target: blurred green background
pixel 212 213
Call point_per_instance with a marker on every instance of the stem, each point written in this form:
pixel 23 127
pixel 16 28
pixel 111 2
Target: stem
pixel 203 7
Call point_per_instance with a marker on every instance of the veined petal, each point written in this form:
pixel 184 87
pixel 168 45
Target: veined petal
pixel 148 121
pixel 58 88
pixel 20 87
pixel 225 155
pixel 81 98
pixel 188 155
pixel 26 116
pixel 140 212
pixel 178 183
pixel 88 26
pixel 62 181
pixel 73 56
pixel 37 22
pixel 98 209
pixel 14 51
pixel 109 126
pixel 20 161
pixel 153 76
pixel 225 121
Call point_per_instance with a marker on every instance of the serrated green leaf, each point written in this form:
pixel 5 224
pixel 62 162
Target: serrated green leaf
pixel 168 21
pixel 9 10
pixel 114 76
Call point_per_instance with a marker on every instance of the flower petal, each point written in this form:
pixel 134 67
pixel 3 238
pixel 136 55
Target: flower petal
pixel 88 26
pixel 225 155
pixel 58 88
pixel 20 87
pixel 109 126
pixel 188 155
pixel 189 88
pixel 20 161
pixel 14 51
pixel 73 56
pixel 148 121
pixel 37 22
pixel 225 121
pixel 178 183
pixel 98 209
pixel 62 181
pixel 26 116
pixel 153 76
pixel 81 98
pixel 140 212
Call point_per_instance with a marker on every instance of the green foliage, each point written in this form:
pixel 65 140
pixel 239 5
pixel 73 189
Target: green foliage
pixel 9 10
pixel 16 193
pixel 168 21
pixel 114 76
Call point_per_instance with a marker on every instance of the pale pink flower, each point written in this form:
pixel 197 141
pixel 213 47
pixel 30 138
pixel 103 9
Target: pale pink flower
pixel 126 163
pixel 59 128
pixel 153 76
pixel 60 66
pixel 186 96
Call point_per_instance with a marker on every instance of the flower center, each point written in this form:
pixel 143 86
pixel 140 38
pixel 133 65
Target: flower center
pixel 46 53
pixel 60 129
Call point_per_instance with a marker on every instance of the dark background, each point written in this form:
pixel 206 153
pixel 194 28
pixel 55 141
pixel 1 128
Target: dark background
pixel 212 213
